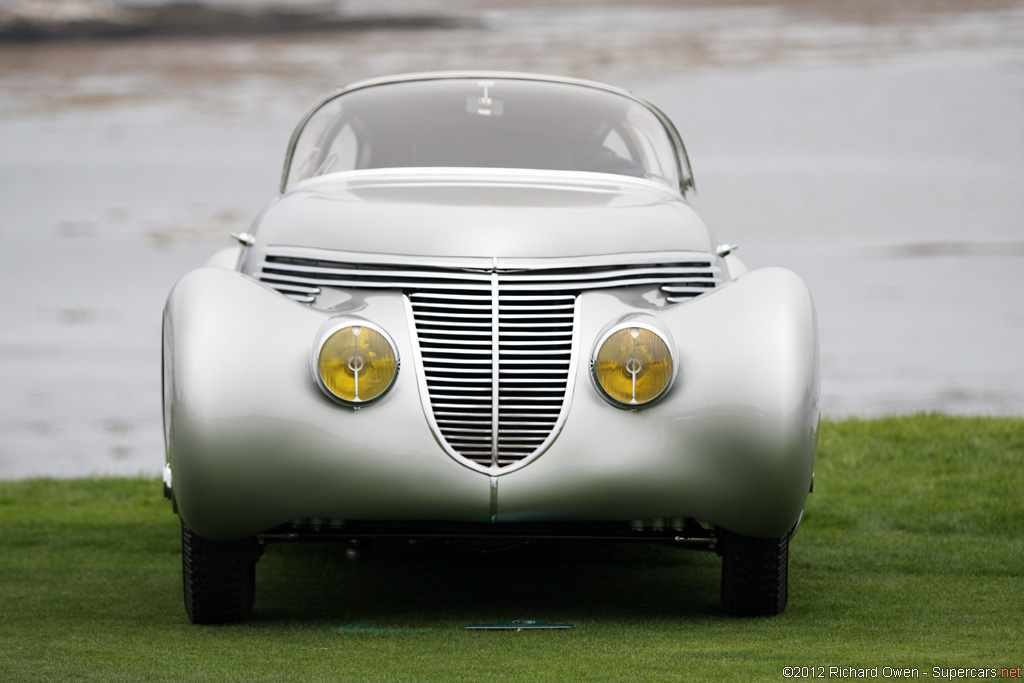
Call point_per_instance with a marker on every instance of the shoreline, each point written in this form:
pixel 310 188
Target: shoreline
pixel 54 21
pixel 46 21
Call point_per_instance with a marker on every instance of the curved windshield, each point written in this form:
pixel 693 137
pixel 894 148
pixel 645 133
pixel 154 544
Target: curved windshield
pixel 484 123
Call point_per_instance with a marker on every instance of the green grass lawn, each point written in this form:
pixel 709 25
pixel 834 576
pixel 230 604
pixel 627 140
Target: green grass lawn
pixel 911 555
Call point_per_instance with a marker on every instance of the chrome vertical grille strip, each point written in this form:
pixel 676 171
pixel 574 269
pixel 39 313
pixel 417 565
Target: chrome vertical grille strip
pixel 495 369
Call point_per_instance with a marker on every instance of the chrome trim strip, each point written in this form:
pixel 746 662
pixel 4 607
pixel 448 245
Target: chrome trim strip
pixel 298 289
pixel 426 296
pixel 531 371
pixel 494 499
pixel 484 265
pixel 602 284
pixel 514 286
pixel 676 289
pixel 361 283
pixel 527 352
pixel 404 177
pixel 450 341
pixel 450 323
pixel 453 379
pixel 526 283
pixel 554 341
pixel 445 316
pixel 669 269
pixel 575 278
pixel 412 274
pixel 495 367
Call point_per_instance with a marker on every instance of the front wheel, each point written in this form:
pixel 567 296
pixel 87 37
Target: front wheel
pixel 219 578
pixel 755 575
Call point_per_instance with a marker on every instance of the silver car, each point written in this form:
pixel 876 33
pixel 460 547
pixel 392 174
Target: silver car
pixel 481 308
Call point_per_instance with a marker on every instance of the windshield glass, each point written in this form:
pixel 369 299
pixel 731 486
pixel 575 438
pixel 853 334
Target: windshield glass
pixel 484 123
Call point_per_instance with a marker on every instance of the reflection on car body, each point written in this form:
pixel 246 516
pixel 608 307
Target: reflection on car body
pixel 481 308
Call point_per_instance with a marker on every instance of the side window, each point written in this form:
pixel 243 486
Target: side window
pixel 326 143
pixel 341 153
pixel 616 144
pixel 653 148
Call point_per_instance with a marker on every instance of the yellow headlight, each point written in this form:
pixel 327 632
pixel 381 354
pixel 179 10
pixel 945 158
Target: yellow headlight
pixel 633 366
pixel 357 363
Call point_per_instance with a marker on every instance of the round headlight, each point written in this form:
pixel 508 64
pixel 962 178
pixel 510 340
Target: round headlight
pixel 632 365
pixel 355 362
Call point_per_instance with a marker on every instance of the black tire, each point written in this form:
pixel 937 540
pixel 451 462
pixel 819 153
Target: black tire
pixel 755 575
pixel 219 578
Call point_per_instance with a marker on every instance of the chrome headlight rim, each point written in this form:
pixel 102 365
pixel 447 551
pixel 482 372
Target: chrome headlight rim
pixel 645 323
pixel 328 330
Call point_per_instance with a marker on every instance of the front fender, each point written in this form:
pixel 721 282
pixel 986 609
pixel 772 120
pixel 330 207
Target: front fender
pixel 732 442
pixel 253 443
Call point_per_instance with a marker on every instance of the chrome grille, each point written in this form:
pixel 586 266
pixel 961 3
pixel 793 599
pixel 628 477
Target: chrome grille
pixel 496 367
pixel 495 338
pixel 302 273
pixel 453 329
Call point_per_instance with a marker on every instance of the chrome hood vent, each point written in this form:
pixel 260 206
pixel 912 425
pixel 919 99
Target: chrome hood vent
pixel 496 340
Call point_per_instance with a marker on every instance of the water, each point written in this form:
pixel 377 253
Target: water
pixel 878 158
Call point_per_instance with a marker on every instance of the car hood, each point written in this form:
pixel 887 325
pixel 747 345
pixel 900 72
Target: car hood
pixel 482 214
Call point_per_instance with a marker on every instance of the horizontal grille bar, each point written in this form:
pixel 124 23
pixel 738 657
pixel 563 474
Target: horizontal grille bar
pixel 681 275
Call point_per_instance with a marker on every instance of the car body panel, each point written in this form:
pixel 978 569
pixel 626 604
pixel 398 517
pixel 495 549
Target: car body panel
pixel 253 443
pixel 467 213
pixel 731 444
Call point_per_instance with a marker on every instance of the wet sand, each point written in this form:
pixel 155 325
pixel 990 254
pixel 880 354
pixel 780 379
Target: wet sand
pixel 875 151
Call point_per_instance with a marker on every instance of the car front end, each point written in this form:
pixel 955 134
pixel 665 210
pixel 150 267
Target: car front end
pixel 487 353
